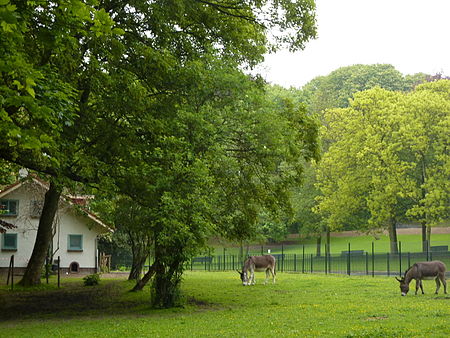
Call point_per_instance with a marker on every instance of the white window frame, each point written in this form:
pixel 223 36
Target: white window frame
pixel 72 248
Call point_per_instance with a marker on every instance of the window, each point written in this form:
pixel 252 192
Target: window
pixel 75 243
pixel 9 242
pixel 9 207
pixel 36 208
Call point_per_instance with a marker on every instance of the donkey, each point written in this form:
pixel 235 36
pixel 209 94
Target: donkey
pixel 257 263
pixel 423 270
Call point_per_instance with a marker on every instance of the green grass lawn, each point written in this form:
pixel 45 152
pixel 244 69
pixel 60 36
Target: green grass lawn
pixel 218 305
pixel 409 243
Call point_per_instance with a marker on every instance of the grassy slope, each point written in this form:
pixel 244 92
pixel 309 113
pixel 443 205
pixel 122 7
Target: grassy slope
pixel 411 243
pixel 298 305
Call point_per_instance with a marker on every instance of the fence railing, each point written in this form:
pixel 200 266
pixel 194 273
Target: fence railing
pixel 356 262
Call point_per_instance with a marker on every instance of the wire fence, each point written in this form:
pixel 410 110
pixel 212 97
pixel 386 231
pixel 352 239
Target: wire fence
pixel 350 262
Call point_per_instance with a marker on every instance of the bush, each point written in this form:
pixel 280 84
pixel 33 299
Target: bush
pixel 91 280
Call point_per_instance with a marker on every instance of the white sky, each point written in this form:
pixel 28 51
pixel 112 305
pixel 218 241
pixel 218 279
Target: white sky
pixel 411 35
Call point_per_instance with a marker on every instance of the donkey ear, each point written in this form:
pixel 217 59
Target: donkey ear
pixel 239 272
pixel 400 280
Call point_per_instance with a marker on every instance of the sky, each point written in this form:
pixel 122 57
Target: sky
pixel 411 35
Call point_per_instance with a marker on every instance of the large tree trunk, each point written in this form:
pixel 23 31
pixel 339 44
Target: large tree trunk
pixel 424 236
pixel 140 247
pixel 393 236
pixel 137 265
pixel 166 285
pixel 425 243
pixel 318 245
pixel 168 270
pixel 32 274
pixel 142 282
pixel 328 238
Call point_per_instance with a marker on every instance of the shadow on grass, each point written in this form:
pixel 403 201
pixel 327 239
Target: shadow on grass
pixel 73 300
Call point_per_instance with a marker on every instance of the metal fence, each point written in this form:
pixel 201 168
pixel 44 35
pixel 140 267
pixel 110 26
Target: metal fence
pixel 350 262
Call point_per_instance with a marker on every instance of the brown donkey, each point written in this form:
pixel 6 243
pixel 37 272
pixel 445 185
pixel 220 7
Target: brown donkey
pixel 257 263
pixel 423 270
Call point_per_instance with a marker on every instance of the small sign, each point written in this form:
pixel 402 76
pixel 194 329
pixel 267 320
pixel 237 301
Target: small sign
pixel 268 250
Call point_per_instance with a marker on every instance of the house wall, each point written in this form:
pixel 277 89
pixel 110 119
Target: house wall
pixel 69 221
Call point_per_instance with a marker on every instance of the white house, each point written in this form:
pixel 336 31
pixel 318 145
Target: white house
pixel 75 230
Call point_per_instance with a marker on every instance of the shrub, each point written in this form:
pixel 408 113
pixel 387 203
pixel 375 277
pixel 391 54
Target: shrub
pixel 91 280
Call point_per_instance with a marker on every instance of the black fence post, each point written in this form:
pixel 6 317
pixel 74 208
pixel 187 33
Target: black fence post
pixel 348 260
pixel 387 262
pixel 262 250
pixel 224 260
pixel 295 262
pixel 329 258
pixel 11 272
pixel 303 260
pixel 312 269
pixel 326 259
pixel 209 259
pixel 367 263
pixel 46 269
pixel 428 251
pixel 59 271
pixel 400 259
pixel 373 259
pixel 282 258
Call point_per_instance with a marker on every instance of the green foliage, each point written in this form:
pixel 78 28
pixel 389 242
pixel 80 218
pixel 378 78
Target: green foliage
pixel 336 89
pixel 91 280
pixel 383 163
pixel 125 96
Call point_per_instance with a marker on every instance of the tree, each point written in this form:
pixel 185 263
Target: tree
pixel 335 89
pixel 61 58
pixel 387 159
pixel 363 175
pixel 227 154
pixel 426 136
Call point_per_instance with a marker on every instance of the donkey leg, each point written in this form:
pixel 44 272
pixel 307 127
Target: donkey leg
pixel 267 276
pixel 444 282
pixel 273 275
pixel 253 280
pixel 421 287
pixel 438 285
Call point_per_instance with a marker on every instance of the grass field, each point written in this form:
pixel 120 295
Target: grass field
pixel 217 305
pixel 409 243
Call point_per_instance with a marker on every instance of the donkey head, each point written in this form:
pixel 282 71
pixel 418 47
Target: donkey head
pixel 404 287
pixel 243 277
